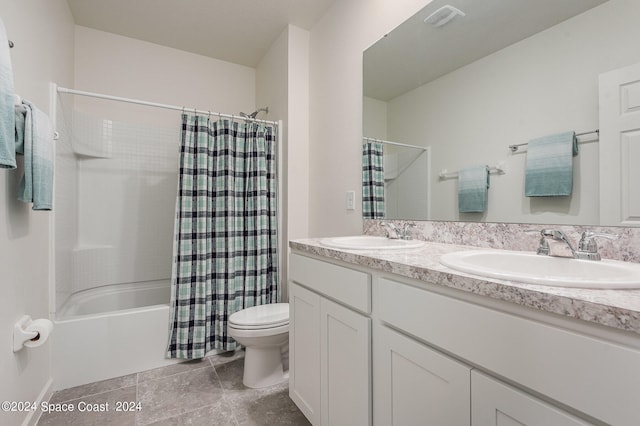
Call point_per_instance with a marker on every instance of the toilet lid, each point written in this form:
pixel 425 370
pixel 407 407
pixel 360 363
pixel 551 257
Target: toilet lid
pixel 271 315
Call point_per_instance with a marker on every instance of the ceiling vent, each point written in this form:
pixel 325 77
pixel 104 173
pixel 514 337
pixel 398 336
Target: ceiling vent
pixel 443 15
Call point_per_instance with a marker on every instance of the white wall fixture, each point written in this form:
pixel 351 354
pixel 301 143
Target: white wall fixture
pixel 351 200
pixel 443 15
pixel 29 333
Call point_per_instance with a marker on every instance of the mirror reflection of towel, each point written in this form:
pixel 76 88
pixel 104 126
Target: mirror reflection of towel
pixel 473 189
pixel 549 165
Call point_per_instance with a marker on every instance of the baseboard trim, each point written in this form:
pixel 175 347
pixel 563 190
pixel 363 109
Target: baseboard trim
pixel 44 395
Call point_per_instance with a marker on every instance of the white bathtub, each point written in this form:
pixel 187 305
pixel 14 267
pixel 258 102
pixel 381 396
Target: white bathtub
pixel 109 332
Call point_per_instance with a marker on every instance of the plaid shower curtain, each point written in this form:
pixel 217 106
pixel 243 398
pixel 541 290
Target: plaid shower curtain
pixel 225 236
pixel 372 181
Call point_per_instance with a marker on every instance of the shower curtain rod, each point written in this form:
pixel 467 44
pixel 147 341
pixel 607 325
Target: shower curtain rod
pixel 393 143
pixel 158 105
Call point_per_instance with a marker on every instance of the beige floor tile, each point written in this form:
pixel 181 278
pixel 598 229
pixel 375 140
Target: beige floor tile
pixel 177 394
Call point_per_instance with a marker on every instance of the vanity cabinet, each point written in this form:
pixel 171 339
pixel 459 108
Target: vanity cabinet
pixel 330 342
pixel 372 347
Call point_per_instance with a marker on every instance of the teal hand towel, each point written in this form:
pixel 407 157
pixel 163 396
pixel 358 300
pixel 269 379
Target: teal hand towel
pixel 473 189
pixel 549 165
pixel 36 138
pixel 7 124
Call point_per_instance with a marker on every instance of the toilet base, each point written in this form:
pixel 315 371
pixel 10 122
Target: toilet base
pixel 263 367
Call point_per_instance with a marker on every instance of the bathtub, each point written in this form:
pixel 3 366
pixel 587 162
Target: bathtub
pixel 110 331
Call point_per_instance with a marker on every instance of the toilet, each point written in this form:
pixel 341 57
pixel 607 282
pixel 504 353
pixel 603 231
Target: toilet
pixel 263 330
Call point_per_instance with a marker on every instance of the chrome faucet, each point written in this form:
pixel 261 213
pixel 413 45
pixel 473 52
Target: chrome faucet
pixel 395 232
pixel 553 235
pixel 391 228
pixel 405 230
pixel 587 247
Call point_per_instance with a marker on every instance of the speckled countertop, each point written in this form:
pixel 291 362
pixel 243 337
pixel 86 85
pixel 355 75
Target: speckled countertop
pixel 612 308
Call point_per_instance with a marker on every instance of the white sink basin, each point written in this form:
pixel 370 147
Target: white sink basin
pixel 545 270
pixel 367 242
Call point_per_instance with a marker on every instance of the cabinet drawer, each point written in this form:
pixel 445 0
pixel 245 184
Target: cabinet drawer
pixel 572 368
pixel 348 286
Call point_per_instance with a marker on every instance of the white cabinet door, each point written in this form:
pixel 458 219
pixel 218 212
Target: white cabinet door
pixel 304 351
pixel 345 366
pixel 496 404
pixel 416 385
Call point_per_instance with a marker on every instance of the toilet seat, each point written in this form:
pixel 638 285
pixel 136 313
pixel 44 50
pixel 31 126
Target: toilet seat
pixel 273 315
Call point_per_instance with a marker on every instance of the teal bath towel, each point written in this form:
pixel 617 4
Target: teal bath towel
pixel 473 189
pixel 35 142
pixel 549 165
pixel 7 125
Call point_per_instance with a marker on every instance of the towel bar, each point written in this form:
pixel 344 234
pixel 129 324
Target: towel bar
pixel 498 169
pixel 514 148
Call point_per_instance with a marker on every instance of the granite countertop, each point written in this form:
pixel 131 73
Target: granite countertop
pixel 612 308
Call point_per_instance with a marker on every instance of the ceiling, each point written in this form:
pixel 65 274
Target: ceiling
pixel 237 31
pixel 415 53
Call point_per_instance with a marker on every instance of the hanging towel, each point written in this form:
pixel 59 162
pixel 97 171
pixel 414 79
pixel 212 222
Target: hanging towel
pixel 473 189
pixel 7 125
pixel 35 141
pixel 549 165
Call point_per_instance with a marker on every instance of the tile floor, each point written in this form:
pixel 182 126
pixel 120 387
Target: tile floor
pixel 205 392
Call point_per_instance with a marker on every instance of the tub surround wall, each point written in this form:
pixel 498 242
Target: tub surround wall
pixel 118 201
pixel 514 236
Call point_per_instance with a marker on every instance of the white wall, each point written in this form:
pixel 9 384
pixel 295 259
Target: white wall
pixel 545 84
pixel 374 118
pixel 43 34
pixel 297 160
pixel 282 84
pixel 337 42
pixel 127 182
pixel 127 67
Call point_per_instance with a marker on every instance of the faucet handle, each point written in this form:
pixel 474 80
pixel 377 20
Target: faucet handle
pixel 589 234
pixel 531 231
pixel 554 233
pixel 588 248
pixel 405 230
pixel 393 228
pixel 543 248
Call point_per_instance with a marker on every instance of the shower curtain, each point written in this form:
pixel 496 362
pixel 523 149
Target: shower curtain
pixel 225 236
pixel 372 181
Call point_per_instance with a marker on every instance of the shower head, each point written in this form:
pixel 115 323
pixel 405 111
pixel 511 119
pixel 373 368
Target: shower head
pixel 254 114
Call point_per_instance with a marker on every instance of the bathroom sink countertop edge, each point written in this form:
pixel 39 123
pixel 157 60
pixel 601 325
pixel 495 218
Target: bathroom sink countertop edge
pixel 618 308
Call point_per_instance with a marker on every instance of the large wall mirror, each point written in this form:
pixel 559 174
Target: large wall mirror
pixel 440 97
